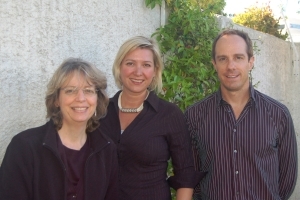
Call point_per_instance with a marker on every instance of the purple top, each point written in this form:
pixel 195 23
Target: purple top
pixel 74 160
pixel 157 134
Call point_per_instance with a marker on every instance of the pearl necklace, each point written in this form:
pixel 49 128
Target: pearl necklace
pixel 130 110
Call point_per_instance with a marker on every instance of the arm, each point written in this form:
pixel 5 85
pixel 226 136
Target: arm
pixel 195 150
pixel 287 156
pixel 185 177
pixel 184 194
pixel 16 172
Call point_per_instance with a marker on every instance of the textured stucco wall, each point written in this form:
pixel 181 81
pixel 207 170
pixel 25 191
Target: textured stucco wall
pixel 276 73
pixel 37 35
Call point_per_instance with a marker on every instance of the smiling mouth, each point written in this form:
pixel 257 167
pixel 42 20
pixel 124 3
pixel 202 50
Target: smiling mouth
pixel 136 81
pixel 80 109
pixel 232 76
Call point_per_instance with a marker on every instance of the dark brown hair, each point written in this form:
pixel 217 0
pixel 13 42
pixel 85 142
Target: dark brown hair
pixel 242 34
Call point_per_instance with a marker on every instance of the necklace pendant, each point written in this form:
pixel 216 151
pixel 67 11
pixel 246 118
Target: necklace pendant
pixel 129 110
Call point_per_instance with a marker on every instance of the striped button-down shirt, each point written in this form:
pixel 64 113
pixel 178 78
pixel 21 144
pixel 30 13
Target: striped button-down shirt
pixel 252 157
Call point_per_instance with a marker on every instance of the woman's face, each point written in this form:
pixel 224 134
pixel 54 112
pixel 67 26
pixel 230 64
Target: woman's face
pixel 77 100
pixel 137 70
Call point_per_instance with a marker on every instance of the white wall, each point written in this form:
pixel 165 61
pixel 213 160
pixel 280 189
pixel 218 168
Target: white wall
pixel 37 35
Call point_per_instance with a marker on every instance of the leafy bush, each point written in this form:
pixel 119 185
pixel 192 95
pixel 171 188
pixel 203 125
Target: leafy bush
pixel 186 43
pixel 260 19
pixel 214 6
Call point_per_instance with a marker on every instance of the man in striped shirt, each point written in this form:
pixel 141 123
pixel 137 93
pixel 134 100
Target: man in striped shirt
pixel 244 139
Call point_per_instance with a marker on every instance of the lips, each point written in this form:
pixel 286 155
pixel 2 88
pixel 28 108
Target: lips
pixel 79 109
pixel 136 80
pixel 232 76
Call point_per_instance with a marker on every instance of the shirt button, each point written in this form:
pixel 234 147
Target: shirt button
pixel 236 172
pixel 234 130
pixel 237 193
pixel 235 151
pixel 74 196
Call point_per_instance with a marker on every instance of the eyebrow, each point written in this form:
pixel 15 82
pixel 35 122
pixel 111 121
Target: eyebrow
pixel 70 86
pixel 238 54
pixel 129 59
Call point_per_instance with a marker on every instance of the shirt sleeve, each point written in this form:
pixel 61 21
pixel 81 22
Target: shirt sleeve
pixel 195 151
pixel 185 175
pixel 16 172
pixel 287 155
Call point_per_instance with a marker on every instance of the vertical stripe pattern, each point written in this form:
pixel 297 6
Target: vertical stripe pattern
pixel 253 157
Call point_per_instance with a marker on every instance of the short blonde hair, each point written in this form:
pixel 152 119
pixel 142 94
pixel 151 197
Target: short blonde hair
pixel 63 73
pixel 143 43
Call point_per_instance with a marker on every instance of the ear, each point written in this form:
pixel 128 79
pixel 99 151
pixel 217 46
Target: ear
pixel 56 103
pixel 251 63
pixel 214 64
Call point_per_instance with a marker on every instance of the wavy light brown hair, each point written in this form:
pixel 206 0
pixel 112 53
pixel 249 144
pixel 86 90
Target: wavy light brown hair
pixel 63 74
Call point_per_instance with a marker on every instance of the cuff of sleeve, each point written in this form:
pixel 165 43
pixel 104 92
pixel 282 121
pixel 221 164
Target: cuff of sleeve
pixel 186 180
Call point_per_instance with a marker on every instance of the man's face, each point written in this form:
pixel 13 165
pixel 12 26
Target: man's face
pixel 232 63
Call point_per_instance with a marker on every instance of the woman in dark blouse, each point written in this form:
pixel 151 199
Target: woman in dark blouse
pixel 67 158
pixel 148 131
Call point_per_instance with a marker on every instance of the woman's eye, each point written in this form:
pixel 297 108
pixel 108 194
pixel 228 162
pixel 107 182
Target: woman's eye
pixel 129 63
pixel 89 91
pixel 70 91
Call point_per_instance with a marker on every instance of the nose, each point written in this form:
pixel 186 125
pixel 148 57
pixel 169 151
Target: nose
pixel 138 70
pixel 231 64
pixel 80 95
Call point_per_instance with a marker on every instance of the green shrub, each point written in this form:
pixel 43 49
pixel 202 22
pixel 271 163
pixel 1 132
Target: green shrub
pixel 186 42
pixel 260 19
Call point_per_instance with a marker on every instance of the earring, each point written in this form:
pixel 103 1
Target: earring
pixel 95 113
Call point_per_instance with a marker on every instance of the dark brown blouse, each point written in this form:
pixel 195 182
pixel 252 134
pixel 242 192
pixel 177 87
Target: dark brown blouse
pixel 144 148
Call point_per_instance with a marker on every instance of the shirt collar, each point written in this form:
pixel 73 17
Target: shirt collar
pixel 219 99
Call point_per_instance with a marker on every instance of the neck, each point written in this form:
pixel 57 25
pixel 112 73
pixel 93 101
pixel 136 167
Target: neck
pixel 133 100
pixel 73 137
pixel 237 100
pixel 236 97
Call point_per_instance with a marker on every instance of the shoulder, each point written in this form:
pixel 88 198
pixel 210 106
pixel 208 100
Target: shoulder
pixel 203 104
pixel 270 103
pixel 162 106
pixel 24 144
pixel 32 135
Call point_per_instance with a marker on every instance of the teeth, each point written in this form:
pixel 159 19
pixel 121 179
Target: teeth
pixel 79 109
pixel 138 81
